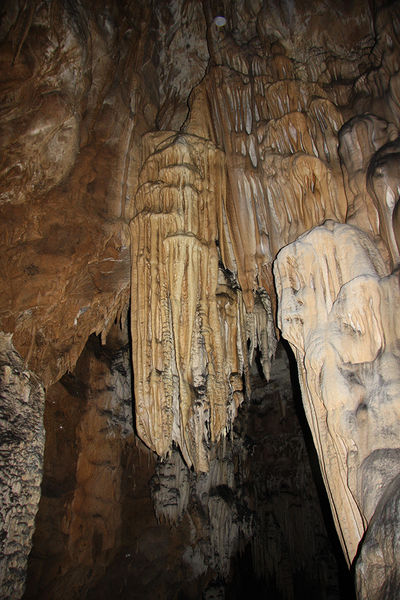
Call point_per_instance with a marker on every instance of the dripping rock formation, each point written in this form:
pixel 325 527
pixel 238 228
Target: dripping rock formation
pixel 199 342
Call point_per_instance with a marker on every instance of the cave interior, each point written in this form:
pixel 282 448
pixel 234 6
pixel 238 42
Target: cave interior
pixel 199 342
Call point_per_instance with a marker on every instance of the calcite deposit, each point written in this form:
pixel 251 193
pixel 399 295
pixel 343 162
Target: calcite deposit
pixel 336 315
pixel 155 163
pixel 188 333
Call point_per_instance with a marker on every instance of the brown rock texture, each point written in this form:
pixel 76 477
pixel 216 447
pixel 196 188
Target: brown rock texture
pixel 64 144
pixel 88 421
pixel 21 458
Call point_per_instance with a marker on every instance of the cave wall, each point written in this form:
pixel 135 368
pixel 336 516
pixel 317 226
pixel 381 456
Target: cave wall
pixel 151 156
pixel 21 456
pixel 88 421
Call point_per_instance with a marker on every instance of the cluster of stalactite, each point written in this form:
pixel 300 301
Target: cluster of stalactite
pixel 280 153
pixel 190 326
pixel 249 500
pixel 295 153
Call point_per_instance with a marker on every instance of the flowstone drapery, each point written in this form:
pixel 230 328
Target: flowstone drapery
pixel 335 298
pixel 186 322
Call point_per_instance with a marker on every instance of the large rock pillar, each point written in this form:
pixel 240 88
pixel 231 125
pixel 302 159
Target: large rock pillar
pixel 21 458
pixel 337 308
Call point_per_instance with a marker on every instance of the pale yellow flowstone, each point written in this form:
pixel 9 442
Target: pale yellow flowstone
pixel 336 299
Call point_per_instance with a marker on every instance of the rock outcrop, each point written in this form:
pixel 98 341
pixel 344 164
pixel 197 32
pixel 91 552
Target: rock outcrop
pixel 21 458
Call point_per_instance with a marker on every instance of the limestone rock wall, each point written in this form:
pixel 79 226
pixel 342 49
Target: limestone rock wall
pixel 88 421
pixel 66 143
pixel 21 458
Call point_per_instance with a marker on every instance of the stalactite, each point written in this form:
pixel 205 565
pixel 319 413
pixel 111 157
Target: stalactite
pixel 170 488
pixel 261 123
pixel 179 327
pixel 222 521
pixel 260 334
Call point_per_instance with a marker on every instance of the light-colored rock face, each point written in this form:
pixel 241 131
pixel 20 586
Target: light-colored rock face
pixel 335 309
pixel 149 154
pixel 189 356
pixel 377 574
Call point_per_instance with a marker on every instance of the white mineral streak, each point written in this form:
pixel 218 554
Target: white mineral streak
pixel 335 294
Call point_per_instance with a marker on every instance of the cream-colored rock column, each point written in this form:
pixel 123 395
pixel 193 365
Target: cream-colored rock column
pixel 182 370
pixel 337 308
